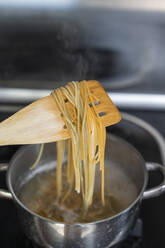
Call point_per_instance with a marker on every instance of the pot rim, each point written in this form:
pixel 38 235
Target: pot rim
pixel 111 136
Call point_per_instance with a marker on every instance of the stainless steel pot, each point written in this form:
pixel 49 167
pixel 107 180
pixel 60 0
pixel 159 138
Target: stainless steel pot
pixel 126 176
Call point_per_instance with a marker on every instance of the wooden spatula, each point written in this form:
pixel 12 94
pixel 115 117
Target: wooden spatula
pixel 41 121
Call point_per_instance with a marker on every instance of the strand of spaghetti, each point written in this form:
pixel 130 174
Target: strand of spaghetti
pixel 76 154
pixel 84 137
pixel 102 187
pixel 95 97
pixel 101 137
pixel 68 95
pixel 101 146
pixel 38 158
pixel 93 182
pixel 60 156
pixel 66 195
pixel 59 99
pixel 79 120
pixel 78 105
pixel 62 107
pixel 69 161
pixel 93 164
pixel 91 150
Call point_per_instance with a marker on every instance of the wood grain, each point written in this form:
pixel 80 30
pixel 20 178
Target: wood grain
pixel 41 121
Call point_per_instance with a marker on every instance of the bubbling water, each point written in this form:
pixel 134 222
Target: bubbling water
pixel 39 195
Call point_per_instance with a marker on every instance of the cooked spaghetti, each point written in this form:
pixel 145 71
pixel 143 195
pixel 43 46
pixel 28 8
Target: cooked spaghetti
pixel 86 145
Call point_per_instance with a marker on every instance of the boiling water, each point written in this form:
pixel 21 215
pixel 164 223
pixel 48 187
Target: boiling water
pixel 39 195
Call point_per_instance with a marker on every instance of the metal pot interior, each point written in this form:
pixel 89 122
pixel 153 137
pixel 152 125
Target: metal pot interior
pixel 125 173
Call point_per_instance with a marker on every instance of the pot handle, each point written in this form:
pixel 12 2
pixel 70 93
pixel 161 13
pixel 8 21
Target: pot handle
pixel 158 190
pixel 4 193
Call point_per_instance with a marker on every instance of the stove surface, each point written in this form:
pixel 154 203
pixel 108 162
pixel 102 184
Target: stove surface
pixel 44 49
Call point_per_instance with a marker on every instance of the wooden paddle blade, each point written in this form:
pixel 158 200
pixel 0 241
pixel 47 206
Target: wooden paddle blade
pixel 105 108
pixel 39 122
